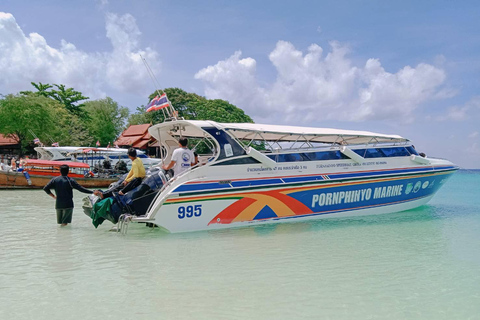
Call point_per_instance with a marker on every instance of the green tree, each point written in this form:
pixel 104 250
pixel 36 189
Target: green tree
pixel 141 117
pixel 70 130
pixel 21 115
pixel 220 111
pixel 191 106
pixel 106 119
pixel 41 89
pixel 69 97
pixel 66 96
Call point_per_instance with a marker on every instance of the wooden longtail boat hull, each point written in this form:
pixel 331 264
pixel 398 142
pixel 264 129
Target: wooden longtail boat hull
pixel 17 180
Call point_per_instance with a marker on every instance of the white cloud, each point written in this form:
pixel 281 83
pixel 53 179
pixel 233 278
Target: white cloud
pixel 470 110
pixel 233 78
pixel 315 85
pixel 25 59
pixel 473 135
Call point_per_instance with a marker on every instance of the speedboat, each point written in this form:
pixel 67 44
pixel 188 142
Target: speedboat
pixel 252 174
pixel 92 156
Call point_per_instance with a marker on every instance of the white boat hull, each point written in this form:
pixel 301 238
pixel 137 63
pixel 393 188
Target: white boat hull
pixel 184 212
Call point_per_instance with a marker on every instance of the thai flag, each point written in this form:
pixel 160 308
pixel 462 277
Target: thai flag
pixel 36 141
pixel 157 103
pixel 55 144
pixel 162 102
pixel 151 104
pixel 98 143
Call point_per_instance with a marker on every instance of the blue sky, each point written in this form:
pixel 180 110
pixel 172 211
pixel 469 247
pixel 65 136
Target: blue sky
pixel 398 67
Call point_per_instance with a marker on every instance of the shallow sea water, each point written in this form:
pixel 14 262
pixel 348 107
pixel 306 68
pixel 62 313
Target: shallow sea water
pixel 418 264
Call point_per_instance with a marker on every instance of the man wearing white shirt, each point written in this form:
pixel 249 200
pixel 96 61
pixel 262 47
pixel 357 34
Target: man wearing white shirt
pixel 182 158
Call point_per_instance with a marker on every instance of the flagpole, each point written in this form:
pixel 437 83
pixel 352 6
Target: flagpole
pixel 156 84
pixel 35 137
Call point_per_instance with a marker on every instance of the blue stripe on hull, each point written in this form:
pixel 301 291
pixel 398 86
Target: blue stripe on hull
pixel 303 179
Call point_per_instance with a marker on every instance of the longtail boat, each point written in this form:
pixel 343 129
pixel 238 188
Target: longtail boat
pixel 37 173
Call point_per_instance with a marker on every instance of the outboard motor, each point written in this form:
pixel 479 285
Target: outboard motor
pixel 121 167
pixel 134 202
pixel 107 164
pixel 139 199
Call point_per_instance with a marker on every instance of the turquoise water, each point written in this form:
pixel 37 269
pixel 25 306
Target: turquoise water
pixel 418 264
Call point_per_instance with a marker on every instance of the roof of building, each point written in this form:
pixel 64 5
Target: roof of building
pixel 7 141
pixel 136 136
pixel 136 130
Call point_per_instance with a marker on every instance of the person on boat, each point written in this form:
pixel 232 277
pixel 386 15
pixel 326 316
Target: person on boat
pixel 63 186
pixel 23 162
pixel 182 158
pixel 136 174
pixel 195 161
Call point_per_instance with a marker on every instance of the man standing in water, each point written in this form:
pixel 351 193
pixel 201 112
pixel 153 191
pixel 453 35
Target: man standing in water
pixel 63 187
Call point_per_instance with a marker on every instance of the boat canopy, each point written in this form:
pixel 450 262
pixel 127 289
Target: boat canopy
pixel 88 150
pixel 247 131
pixel 71 164
pixel 275 133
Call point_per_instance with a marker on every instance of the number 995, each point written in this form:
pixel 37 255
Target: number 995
pixel 190 211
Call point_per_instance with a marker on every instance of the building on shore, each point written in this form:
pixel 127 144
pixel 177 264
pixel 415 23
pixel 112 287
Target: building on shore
pixel 9 147
pixel 137 136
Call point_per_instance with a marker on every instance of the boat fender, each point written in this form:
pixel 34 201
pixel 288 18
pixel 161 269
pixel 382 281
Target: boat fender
pixel 27 176
pixel 419 159
pixel 352 155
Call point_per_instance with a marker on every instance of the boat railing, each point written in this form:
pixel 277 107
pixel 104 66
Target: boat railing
pixel 332 147
pixel 295 150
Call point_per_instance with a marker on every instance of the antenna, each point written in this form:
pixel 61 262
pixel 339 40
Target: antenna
pixel 50 138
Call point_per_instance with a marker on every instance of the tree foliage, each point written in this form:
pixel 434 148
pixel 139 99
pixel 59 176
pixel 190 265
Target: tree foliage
pixel 41 89
pixel 55 115
pixel 191 106
pixel 72 131
pixel 106 119
pixel 68 97
pixel 22 115
pixel 141 117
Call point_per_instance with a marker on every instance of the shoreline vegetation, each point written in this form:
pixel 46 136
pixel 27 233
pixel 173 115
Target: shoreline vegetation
pixel 64 116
